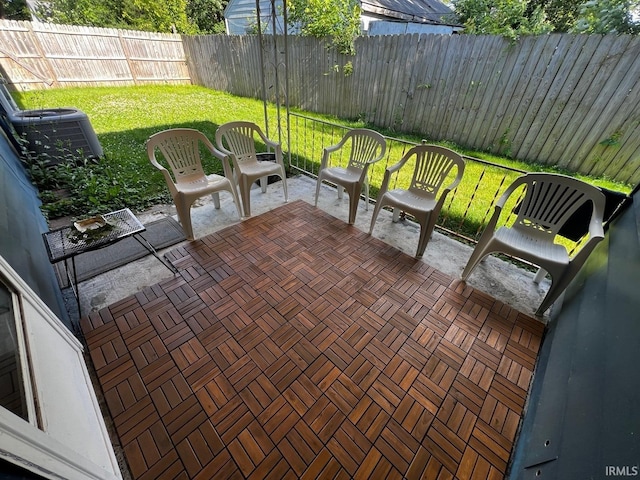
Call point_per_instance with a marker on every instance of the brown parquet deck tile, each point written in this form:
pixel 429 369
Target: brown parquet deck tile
pixel 295 346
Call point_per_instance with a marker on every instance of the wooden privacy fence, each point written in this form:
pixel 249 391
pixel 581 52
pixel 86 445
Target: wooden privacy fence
pixel 41 55
pixel 566 100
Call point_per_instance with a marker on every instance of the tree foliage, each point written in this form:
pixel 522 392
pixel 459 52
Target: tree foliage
pixel 335 19
pixel 207 15
pixel 607 16
pixel 562 14
pixel 513 18
pixel 14 10
pixel 166 16
pixel 509 18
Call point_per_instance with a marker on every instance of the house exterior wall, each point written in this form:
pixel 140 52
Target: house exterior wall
pixel 64 435
pixel 21 228
pixel 241 16
pixel 583 416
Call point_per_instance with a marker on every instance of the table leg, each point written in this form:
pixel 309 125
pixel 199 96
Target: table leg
pixel 153 251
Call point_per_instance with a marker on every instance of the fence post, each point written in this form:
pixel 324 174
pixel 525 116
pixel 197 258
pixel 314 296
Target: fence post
pixel 127 55
pixel 52 81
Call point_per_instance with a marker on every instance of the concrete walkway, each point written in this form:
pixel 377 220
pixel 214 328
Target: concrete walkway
pixel 500 279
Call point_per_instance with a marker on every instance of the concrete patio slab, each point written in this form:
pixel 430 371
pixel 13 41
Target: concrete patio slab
pixel 503 280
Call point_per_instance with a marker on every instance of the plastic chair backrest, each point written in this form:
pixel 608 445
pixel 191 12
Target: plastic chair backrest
pixel 181 150
pixel 550 200
pixel 366 148
pixel 238 137
pixel 433 165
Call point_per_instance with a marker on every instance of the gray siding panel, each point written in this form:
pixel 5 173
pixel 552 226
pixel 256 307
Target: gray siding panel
pixel 582 416
pixel 21 228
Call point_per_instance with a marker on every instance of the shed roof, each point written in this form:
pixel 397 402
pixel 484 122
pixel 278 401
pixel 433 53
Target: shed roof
pixel 420 11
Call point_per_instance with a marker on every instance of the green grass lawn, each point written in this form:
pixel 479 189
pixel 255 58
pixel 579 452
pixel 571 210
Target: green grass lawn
pixel 125 117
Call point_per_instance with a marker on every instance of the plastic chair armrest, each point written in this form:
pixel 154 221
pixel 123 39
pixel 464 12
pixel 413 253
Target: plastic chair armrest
pixel 596 230
pixel 270 143
pixel 224 150
pixel 456 181
pixel 581 256
pixel 493 221
pixel 507 193
pixel 333 148
pixel 278 152
pixel 398 165
pixel 167 177
pixel 325 157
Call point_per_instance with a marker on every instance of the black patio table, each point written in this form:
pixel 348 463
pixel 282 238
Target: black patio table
pixel 67 242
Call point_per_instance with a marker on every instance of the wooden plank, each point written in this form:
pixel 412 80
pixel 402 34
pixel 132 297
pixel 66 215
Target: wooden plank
pixel 494 73
pixel 495 137
pixel 547 97
pixel 513 95
pixel 437 88
pixel 568 120
pixel 467 87
pixel 552 81
pixel 571 72
pixel 618 115
pixel 457 83
pixel 393 105
pixel 446 83
pixel 411 108
pixel 424 78
pixel 541 52
pixel 491 51
pixel 604 92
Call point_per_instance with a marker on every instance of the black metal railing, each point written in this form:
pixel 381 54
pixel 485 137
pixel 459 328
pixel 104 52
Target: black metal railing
pixel 467 208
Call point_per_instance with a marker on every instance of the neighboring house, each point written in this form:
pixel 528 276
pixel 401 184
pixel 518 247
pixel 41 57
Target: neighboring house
pixel 391 17
pixel 379 17
pixel 241 16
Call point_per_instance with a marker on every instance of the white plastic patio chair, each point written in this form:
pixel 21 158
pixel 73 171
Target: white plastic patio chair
pixel 365 148
pixel 425 196
pixel 237 139
pixel 549 201
pixel 180 149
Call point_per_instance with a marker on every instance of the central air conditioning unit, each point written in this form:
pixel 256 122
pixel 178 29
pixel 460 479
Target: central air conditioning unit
pixel 55 134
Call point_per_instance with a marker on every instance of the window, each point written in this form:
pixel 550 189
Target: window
pixel 13 371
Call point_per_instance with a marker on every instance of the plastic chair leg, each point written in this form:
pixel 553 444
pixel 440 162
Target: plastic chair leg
pixel 539 275
pixel 184 216
pixel 318 183
pixel 245 192
pixel 354 198
pixel 284 187
pixel 374 217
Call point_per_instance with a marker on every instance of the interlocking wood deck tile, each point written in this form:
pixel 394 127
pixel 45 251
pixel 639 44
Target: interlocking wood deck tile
pixel 293 345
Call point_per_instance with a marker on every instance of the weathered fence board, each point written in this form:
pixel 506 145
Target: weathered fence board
pixel 552 99
pixel 41 55
pixel 565 100
pixel 526 106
